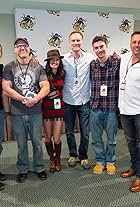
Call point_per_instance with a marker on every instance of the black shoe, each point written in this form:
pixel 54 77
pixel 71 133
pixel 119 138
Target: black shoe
pixel 21 177
pixel 2 177
pixel 2 186
pixel 42 175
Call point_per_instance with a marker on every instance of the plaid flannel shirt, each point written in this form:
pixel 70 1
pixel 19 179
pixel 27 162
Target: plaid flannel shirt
pixel 108 75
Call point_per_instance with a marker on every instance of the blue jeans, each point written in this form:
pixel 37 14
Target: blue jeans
pixel 83 114
pixel 131 126
pixel 23 126
pixel 104 120
pixel 1 129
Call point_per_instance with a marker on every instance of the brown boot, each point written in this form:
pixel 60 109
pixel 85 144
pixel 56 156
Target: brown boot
pixel 50 150
pixel 57 157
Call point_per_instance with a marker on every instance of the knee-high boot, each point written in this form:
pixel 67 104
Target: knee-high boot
pixel 57 156
pixel 50 150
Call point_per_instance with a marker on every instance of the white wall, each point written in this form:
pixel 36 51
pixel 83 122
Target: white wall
pixel 45 25
pixel 137 25
pixel 7 35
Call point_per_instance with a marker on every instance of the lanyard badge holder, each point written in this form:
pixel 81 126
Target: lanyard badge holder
pixel 123 84
pixel 76 79
pixel 103 90
pixel 57 103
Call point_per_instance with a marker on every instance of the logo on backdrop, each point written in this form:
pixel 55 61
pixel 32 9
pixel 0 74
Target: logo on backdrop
pixel 27 22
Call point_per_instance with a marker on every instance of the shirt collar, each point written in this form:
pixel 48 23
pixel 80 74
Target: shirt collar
pixel 81 54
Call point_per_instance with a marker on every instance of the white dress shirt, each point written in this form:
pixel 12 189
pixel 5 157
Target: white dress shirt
pixel 77 78
pixel 129 98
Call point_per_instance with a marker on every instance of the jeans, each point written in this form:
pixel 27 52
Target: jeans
pixel 104 120
pixel 23 126
pixel 83 114
pixel 131 126
pixel 1 129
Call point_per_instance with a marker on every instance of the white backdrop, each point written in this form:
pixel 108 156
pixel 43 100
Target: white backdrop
pixel 47 30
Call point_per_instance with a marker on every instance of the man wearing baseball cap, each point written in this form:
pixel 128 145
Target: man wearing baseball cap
pixel 21 40
pixel 25 82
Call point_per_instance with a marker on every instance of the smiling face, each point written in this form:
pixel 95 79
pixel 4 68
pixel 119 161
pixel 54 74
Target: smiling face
pixel 135 44
pixel 100 49
pixel 22 50
pixel 54 63
pixel 76 42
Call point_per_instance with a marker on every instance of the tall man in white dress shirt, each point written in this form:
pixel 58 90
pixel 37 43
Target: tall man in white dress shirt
pixel 76 96
pixel 129 104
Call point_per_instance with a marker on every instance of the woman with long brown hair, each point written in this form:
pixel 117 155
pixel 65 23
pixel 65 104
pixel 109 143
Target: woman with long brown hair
pixel 53 108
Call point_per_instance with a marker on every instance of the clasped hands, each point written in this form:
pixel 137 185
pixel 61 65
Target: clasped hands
pixel 29 101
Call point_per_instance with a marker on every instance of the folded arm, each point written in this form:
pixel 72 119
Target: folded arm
pixel 10 92
pixel 44 90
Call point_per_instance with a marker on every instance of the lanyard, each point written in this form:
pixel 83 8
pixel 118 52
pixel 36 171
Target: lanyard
pixel 129 67
pixel 76 68
pixel 24 73
pixel 104 78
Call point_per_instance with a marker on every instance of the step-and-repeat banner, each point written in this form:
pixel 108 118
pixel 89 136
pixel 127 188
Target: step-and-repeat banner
pixel 49 29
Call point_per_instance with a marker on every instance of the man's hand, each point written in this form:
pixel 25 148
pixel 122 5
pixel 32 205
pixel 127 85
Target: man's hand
pixel 29 102
pixel 53 94
pixel 116 55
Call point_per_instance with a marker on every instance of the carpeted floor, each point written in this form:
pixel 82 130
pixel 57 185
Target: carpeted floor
pixel 72 187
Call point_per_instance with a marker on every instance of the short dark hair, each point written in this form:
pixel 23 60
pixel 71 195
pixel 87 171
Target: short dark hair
pixel 76 32
pixel 135 33
pixel 99 38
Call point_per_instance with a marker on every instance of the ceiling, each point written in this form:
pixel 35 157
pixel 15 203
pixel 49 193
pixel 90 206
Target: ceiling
pixel 7 6
pixel 106 3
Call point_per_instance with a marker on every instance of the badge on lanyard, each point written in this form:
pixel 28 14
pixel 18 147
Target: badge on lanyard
pixel 24 88
pixel 103 90
pixel 123 84
pixel 76 81
pixel 57 103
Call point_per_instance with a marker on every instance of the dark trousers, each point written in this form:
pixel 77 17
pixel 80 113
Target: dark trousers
pixel 131 126
pixel 83 114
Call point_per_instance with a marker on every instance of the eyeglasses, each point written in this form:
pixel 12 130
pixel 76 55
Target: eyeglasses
pixel 19 46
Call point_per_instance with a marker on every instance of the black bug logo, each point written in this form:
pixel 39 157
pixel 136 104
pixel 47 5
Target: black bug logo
pixel 79 24
pixel 55 40
pixel 125 25
pixel 103 14
pixel 27 22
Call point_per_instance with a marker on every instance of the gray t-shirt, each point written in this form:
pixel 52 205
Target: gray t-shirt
pixel 25 80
